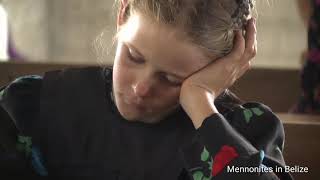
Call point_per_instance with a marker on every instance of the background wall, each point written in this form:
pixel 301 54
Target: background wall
pixel 62 31
pixel 282 36
pixel 28 26
pixel 74 26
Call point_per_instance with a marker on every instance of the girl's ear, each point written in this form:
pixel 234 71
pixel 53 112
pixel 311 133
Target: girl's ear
pixel 121 15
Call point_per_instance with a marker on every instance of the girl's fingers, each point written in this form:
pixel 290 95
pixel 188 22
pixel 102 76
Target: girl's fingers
pixel 238 47
pixel 250 42
pixel 244 49
pixel 231 61
pixel 233 64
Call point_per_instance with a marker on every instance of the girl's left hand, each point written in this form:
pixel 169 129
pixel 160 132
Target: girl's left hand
pixel 198 91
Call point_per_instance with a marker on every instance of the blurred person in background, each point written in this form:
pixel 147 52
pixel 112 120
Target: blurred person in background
pixel 3 34
pixel 8 51
pixel 309 100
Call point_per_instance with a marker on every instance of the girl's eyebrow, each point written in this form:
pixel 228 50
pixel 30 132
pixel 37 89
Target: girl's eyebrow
pixel 142 58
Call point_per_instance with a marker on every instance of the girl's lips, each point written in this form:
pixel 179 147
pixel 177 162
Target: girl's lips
pixel 134 101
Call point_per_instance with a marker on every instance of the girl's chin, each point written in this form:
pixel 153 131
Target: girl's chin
pixel 132 112
pixel 141 114
pixel 136 117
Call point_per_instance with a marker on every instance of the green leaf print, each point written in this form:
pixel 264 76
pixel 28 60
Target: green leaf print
pixel 247 115
pixel 257 111
pixel 197 175
pixel 1 94
pixel 24 144
pixel 204 154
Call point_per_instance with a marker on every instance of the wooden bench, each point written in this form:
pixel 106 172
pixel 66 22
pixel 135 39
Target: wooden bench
pixel 277 88
pixel 302 144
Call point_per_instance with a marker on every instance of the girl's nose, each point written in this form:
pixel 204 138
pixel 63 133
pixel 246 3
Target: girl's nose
pixel 142 88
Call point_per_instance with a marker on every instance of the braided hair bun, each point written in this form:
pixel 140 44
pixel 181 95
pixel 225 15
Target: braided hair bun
pixel 242 13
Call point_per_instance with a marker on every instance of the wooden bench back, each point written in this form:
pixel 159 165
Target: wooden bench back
pixel 302 145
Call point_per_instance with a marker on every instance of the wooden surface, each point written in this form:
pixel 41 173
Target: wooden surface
pixel 279 89
pixel 10 71
pixel 302 143
pixel 296 119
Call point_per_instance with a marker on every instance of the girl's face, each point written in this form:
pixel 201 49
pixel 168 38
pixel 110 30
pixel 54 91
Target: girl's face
pixel 150 65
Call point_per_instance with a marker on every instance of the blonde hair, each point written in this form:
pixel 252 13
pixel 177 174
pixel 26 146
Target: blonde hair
pixel 209 24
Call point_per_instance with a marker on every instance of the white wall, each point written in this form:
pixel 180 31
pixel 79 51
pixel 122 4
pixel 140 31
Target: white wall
pixel 28 24
pixel 281 34
pixel 64 30
pixel 3 34
pixel 74 25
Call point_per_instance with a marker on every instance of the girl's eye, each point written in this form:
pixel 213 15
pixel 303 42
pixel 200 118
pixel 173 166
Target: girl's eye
pixel 133 58
pixel 172 80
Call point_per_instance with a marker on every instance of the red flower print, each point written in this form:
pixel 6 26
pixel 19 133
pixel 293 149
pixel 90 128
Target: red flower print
pixel 223 158
pixel 314 55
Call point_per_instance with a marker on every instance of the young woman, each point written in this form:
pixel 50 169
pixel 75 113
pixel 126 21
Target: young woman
pixel 162 112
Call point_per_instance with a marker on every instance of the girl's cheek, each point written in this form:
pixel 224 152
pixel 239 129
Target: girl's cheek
pixel 170 94
pixel 122 72
pixel 124 75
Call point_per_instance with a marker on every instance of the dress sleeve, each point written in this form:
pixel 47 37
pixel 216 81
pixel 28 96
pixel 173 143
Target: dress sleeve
pixel 19 107
pixel 20 99
pixel 245 143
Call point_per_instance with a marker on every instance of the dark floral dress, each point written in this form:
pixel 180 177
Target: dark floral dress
pixel 309 101
pixel 65 125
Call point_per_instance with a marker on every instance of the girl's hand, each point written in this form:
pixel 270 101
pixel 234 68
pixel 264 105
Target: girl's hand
pixel 200 89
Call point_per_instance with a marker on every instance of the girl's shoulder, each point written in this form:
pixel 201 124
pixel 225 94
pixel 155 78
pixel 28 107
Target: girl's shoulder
pixel 20 99
pixel 22 81
pixel 256 121
pixel 21 90
pixel 249 112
